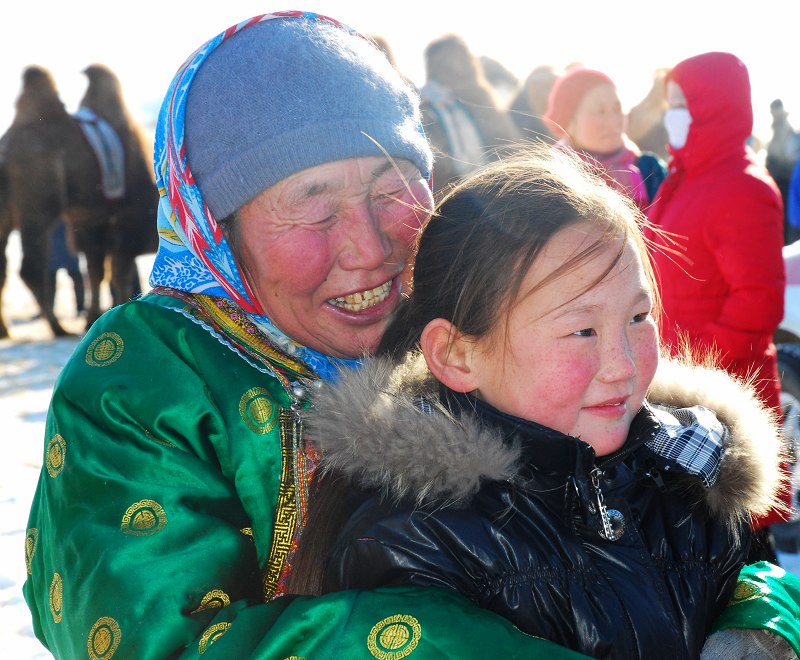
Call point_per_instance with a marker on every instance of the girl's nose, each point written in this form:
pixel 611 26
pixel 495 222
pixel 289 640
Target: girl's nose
pixel 617 362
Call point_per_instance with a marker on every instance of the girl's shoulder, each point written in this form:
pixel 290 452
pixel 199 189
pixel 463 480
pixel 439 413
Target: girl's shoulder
pixel 714 426
pixel 375 424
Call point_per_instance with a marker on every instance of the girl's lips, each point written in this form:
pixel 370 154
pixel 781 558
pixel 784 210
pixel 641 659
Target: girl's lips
pixel 609 409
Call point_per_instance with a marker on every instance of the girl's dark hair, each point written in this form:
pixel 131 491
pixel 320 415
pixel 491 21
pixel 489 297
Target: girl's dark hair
pixel 472 259
pixel 475 251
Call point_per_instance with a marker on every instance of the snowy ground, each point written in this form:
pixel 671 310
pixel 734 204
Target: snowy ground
pixel 29 364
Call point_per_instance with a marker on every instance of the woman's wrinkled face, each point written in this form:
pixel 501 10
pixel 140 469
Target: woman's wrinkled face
pixel 574 356
pixel 598 122
pixel 327 250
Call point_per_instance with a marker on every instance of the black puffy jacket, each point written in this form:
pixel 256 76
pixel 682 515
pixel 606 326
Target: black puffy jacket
pixel 628 556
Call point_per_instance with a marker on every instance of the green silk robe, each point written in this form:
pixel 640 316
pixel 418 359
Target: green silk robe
pixel 172 492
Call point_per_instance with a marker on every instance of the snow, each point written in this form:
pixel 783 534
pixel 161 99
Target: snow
pixel 29 364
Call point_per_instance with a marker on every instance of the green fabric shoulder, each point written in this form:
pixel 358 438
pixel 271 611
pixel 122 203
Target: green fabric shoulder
pixel 766 598
pixel 171 493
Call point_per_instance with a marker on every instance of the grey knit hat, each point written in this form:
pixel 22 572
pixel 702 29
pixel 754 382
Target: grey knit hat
pixel 287 94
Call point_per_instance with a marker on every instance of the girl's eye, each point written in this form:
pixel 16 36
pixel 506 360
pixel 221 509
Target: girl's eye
pixel 586 332
pixel 640 318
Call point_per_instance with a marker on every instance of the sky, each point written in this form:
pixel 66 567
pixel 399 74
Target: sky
pixel 144 42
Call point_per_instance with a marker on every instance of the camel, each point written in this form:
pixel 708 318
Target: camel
pixel 645 124
pixel 49 171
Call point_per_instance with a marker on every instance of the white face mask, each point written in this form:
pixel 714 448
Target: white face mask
pixel 677 122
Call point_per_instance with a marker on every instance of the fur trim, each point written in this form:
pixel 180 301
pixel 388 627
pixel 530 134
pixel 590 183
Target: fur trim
pixel 750 477
pixel 370 427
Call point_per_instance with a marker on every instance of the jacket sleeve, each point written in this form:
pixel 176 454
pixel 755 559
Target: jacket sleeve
pixel 145 534
pixel 767 599
pixel 745 228
pixel 793 202
pixel 385 546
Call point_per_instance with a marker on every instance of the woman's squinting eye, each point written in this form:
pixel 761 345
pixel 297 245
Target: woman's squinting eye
pixel 586 332
pixel 640 318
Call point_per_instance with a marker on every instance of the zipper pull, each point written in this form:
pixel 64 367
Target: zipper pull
pixel 612 519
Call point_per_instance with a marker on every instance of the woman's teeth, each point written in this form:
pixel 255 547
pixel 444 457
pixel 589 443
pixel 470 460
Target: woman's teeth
pixel 356 302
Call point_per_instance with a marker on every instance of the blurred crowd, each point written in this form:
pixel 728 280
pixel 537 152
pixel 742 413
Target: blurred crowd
pixel 476 109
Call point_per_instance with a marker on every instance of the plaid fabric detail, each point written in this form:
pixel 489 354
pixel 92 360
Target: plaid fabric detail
pixel 691 437
pixel 422 404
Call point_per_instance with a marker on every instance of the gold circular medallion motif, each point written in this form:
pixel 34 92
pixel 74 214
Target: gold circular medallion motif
pixel 56 452
pixel 104 638
pixel 257 410
pixel 215 598
pixel 745 591
pixel 212 634
pixel 394 637
pixel 145 518
pixel 31 541
pixel 56 596
pixel 105 350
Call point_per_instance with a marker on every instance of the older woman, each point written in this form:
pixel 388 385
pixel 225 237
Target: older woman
pixel 293 176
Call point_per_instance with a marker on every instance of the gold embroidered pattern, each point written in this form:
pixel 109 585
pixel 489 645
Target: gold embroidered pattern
pixel 395 637
pixel 56 595
pixel 226 316
pixel 56 453
pixel 213 599
pixel 247 531
pixel 283 532
pixel 257 410
pixel 212 634
pixel 104 638
pixel 747 590
pixel 144 518
pixel 105 350
pixel 31 541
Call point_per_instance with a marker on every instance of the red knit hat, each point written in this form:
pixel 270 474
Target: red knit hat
pixel 567 93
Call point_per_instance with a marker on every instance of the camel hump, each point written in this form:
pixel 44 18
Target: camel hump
pixel 104 96
pixel 39 99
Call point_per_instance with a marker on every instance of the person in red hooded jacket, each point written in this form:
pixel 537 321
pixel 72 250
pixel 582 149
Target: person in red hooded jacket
pixel 718 228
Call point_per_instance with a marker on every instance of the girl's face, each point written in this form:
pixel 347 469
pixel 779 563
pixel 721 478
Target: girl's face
pixel 598 122
pixel 578 361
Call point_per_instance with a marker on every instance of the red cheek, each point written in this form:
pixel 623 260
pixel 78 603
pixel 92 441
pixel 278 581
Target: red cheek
pixel 302 263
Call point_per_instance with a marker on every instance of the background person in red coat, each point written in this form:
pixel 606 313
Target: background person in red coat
pixel 720 266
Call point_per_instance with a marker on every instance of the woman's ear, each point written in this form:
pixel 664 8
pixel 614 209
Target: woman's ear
pixel 448 353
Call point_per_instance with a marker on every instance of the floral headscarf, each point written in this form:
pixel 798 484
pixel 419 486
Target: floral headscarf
pixel 193 254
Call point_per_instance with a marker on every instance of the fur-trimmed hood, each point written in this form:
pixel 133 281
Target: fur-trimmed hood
pixel 383 426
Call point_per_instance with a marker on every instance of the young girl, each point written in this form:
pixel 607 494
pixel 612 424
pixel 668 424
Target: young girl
pixel 525 446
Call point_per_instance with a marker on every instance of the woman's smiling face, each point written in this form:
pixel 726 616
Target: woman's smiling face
pixel 327 250
pixel 575 356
